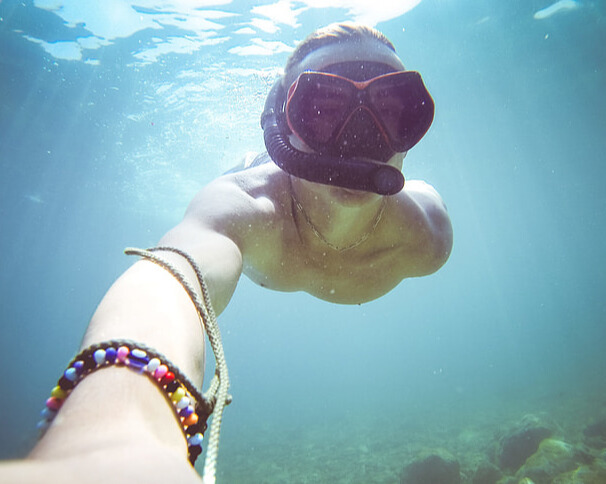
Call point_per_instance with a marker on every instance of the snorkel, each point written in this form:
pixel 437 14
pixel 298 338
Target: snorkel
pixel 354 173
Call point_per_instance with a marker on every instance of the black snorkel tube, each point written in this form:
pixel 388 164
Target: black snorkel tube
pixel 354 173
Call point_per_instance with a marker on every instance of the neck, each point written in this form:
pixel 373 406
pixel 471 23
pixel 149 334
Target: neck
pixel 341 219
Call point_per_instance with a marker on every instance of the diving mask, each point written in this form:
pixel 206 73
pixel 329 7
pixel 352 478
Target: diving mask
pixel 353 126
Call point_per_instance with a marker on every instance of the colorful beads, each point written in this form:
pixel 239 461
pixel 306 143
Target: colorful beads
pixel 160 372
pixel 58 392
pixel 138 356
pixel 111 354
pixel 48 414
pixel 99 356
pixel 181 399
pixel 191 420
pixel 195 439
pixel 178 394
pixel 153 364
pixel 187 411
pixel 43 425
pixel 166 379
pixel 54 403
pixel 70 374
pixel 183 403
pixel 123 352
pixel 78 366
pixel 137 359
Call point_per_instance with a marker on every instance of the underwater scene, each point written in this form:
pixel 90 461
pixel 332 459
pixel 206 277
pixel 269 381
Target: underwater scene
pixel 114 113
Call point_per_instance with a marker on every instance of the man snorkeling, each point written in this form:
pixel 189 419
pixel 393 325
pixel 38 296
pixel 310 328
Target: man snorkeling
pixel 331 216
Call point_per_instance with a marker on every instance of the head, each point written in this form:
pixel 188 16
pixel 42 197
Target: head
pixel 341 34
pixel 346 111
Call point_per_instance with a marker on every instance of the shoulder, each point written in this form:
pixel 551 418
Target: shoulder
pixel 421 192
pixel 422 199
pixel 421 210
pixel 240 200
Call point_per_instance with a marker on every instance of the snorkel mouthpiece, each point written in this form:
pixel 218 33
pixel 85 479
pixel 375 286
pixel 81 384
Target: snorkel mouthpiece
pixel 354 173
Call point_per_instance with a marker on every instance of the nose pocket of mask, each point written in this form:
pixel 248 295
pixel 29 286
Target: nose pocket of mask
pixel 362 135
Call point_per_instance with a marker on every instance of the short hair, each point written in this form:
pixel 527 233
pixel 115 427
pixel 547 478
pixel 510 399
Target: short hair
pixel 332 34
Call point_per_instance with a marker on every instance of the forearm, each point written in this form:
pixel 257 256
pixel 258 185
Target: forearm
pixel 118 408
pixel 148 305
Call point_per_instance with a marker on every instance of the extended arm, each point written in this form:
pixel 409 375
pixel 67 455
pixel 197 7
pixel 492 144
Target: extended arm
pixel 116 422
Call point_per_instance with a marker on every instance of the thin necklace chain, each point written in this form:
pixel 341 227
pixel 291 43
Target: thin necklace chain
pixel 319 235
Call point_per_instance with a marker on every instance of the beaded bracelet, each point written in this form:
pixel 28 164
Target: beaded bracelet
pixel 190 407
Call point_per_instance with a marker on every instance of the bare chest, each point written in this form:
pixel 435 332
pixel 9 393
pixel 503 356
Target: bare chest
pixel 349 277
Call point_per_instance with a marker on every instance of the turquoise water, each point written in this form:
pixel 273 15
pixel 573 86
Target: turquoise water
pixel 111 119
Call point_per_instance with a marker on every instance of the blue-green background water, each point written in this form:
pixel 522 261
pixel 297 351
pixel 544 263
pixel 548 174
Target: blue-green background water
pixel 104 142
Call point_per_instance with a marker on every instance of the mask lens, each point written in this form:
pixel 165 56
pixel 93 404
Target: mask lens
pixel 316 107
pixel 404 107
